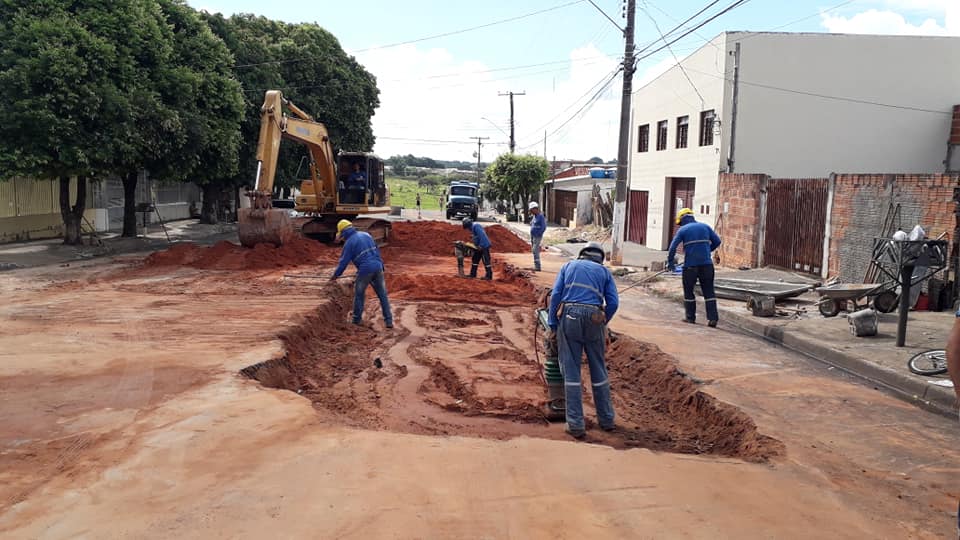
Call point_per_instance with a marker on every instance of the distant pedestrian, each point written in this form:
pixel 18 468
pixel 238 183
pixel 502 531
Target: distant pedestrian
pixel 482 251
pixel 419 215
pixel 583 301
pixel 360 249
pixel 538 226
pixel 699 241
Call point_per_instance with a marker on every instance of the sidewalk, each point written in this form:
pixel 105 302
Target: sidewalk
pixel 53 251
pixel 634 255
pixel 876 360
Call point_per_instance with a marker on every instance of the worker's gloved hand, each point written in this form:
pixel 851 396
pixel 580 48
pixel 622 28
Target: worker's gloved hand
pixel 671 266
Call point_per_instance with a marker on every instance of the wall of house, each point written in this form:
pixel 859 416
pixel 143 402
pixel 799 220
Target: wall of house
pixel 668 97
pixel 738 202
pixel 861 203
pixel 791 135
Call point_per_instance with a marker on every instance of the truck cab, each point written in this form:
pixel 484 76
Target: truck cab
pixel 463 199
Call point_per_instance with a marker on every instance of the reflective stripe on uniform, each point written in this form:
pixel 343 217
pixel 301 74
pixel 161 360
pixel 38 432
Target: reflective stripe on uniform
pixel 709 299
pixel 688 242
pixel 694 300
pixel 606 381
pixel 368 250
pixel 571 384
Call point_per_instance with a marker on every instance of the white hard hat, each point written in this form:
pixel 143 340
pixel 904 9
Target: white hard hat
pixel 532 205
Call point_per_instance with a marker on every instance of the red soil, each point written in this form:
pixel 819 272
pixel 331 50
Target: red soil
pixel 436 237
pixel 229 256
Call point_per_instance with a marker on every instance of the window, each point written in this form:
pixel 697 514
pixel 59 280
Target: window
pixel 662 135
pixel 682 126
pixel 643 138
pixel 706 128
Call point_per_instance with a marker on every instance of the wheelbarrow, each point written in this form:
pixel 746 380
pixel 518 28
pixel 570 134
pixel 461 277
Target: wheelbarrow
pixel 835 298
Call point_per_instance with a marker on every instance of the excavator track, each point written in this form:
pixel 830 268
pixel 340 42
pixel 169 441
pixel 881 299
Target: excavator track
pixel 324 229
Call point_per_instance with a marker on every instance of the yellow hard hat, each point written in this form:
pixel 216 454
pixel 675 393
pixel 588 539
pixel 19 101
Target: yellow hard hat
pixel 343 224
pixel 683 212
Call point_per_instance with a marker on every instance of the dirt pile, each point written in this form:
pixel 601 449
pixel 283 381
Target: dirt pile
pixel 671 413
pixel 437 237
pixel 229 256
pixel 506 289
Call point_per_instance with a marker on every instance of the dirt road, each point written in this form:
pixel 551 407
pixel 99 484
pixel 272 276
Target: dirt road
pixel 222 392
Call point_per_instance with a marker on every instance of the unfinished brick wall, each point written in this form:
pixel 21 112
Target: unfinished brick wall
pixel 739 201
pixel 861 203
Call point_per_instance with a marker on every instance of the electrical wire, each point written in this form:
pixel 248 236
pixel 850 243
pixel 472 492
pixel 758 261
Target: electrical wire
pixel 418 40
pixel 675 59
pixel 677 27
pixel 823 96
pixel 666 44
pixel 434 141
pixel 573 104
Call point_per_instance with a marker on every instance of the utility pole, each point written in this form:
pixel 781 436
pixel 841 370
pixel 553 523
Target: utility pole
pixel 620 202
pixel 479 144
pixel 513 142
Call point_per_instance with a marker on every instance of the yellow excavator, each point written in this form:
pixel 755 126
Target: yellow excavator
pixel 339 188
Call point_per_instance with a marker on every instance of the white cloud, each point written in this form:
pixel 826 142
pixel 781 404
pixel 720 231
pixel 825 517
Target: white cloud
pixel 876 21
pixel 428 94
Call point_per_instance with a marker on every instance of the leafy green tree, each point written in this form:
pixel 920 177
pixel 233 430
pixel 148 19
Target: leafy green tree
pixel 515 178
pixel 307 63
pixel 199 85
pixel 72 90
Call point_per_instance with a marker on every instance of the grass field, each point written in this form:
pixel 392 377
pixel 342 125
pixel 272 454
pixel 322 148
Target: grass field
pixel 403 192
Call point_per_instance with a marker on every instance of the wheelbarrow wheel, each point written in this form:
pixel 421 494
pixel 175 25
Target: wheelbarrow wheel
pixel 886 302
pixel 932 362
pixel 829 308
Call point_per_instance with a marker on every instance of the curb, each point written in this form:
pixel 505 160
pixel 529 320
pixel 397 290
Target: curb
pixel 917 392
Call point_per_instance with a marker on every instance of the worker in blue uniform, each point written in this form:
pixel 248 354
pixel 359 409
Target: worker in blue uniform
pixel 538 226
pixel 699 241
pixel 583 301
pixel 360 249
pixel 482 251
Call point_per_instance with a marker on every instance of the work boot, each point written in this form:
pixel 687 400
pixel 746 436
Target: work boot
pixel 611 427
pixel 712 324
pixel 488 277
pixel 576 433
pixel 690 321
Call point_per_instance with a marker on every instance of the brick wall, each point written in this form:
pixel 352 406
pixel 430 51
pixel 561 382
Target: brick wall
pixel 739 200
pixel 861 203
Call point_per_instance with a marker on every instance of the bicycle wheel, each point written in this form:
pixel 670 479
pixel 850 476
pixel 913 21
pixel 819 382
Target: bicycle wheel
pixel 932 362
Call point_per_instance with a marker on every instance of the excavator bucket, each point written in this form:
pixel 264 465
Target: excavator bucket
pixel 264 226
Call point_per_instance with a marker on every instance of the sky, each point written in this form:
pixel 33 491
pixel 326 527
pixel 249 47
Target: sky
pixel 442 65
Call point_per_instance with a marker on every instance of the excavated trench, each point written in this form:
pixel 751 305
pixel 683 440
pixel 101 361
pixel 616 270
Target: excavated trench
pixel 466 364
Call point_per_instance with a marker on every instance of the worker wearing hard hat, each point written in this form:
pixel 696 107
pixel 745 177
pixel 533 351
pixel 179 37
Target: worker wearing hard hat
pixel 583 300
pixel 538 226
pixel 360 249
pixel 482 251
pixel 699 241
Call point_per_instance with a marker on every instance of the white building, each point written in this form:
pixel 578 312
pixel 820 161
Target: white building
pixel 788 105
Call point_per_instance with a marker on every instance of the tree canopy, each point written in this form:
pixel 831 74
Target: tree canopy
pixel 515 178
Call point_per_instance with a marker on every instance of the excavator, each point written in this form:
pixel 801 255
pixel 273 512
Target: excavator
pixel 341 187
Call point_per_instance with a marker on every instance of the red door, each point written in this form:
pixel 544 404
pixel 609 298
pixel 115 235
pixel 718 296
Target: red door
pixel 637 207
pixel 681 196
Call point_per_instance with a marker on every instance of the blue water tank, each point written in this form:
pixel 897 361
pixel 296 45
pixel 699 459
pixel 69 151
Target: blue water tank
pixel 597 172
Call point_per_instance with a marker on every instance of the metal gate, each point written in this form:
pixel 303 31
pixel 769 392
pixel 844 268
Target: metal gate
pixel 637 216
pixel 796 215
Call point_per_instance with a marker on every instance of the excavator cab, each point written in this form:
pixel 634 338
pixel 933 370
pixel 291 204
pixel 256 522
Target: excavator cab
pixel 360 181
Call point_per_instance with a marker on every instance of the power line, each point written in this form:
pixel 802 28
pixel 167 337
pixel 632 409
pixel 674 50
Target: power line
pixel 432 141
pixel 574 103
pixel 824 96
pixel 675 59
pixel 666 44
pixel 426 38
pixel 663 37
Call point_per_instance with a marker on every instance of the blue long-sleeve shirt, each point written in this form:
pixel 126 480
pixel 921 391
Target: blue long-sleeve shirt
pixel 698 241
pixel 538 225
pixel 479 236
pixel 583 282
pixel 362 251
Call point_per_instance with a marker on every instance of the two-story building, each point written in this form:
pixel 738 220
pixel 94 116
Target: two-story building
pixel 791 105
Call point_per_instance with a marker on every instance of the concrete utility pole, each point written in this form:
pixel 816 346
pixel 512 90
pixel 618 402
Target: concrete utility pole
pixel 620 202
pixel 479 144
pixel 513 142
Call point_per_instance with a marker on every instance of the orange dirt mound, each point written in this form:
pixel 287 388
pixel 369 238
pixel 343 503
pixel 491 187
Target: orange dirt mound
pixel 229 256
pixel 506 289
pixel 437 238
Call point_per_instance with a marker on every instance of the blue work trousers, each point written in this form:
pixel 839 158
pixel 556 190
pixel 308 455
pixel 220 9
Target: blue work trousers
pixel 703 274
pixel 577 334
pixel 360 292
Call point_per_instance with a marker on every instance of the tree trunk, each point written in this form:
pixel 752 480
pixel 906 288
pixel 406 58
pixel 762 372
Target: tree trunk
pixel 130 204
pixel 208 212
pixel 72 216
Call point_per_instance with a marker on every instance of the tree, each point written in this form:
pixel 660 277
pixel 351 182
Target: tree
pixel 516 178
pixel 307 63
pixel 199 85
pixel 69 83
pixel 595 160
